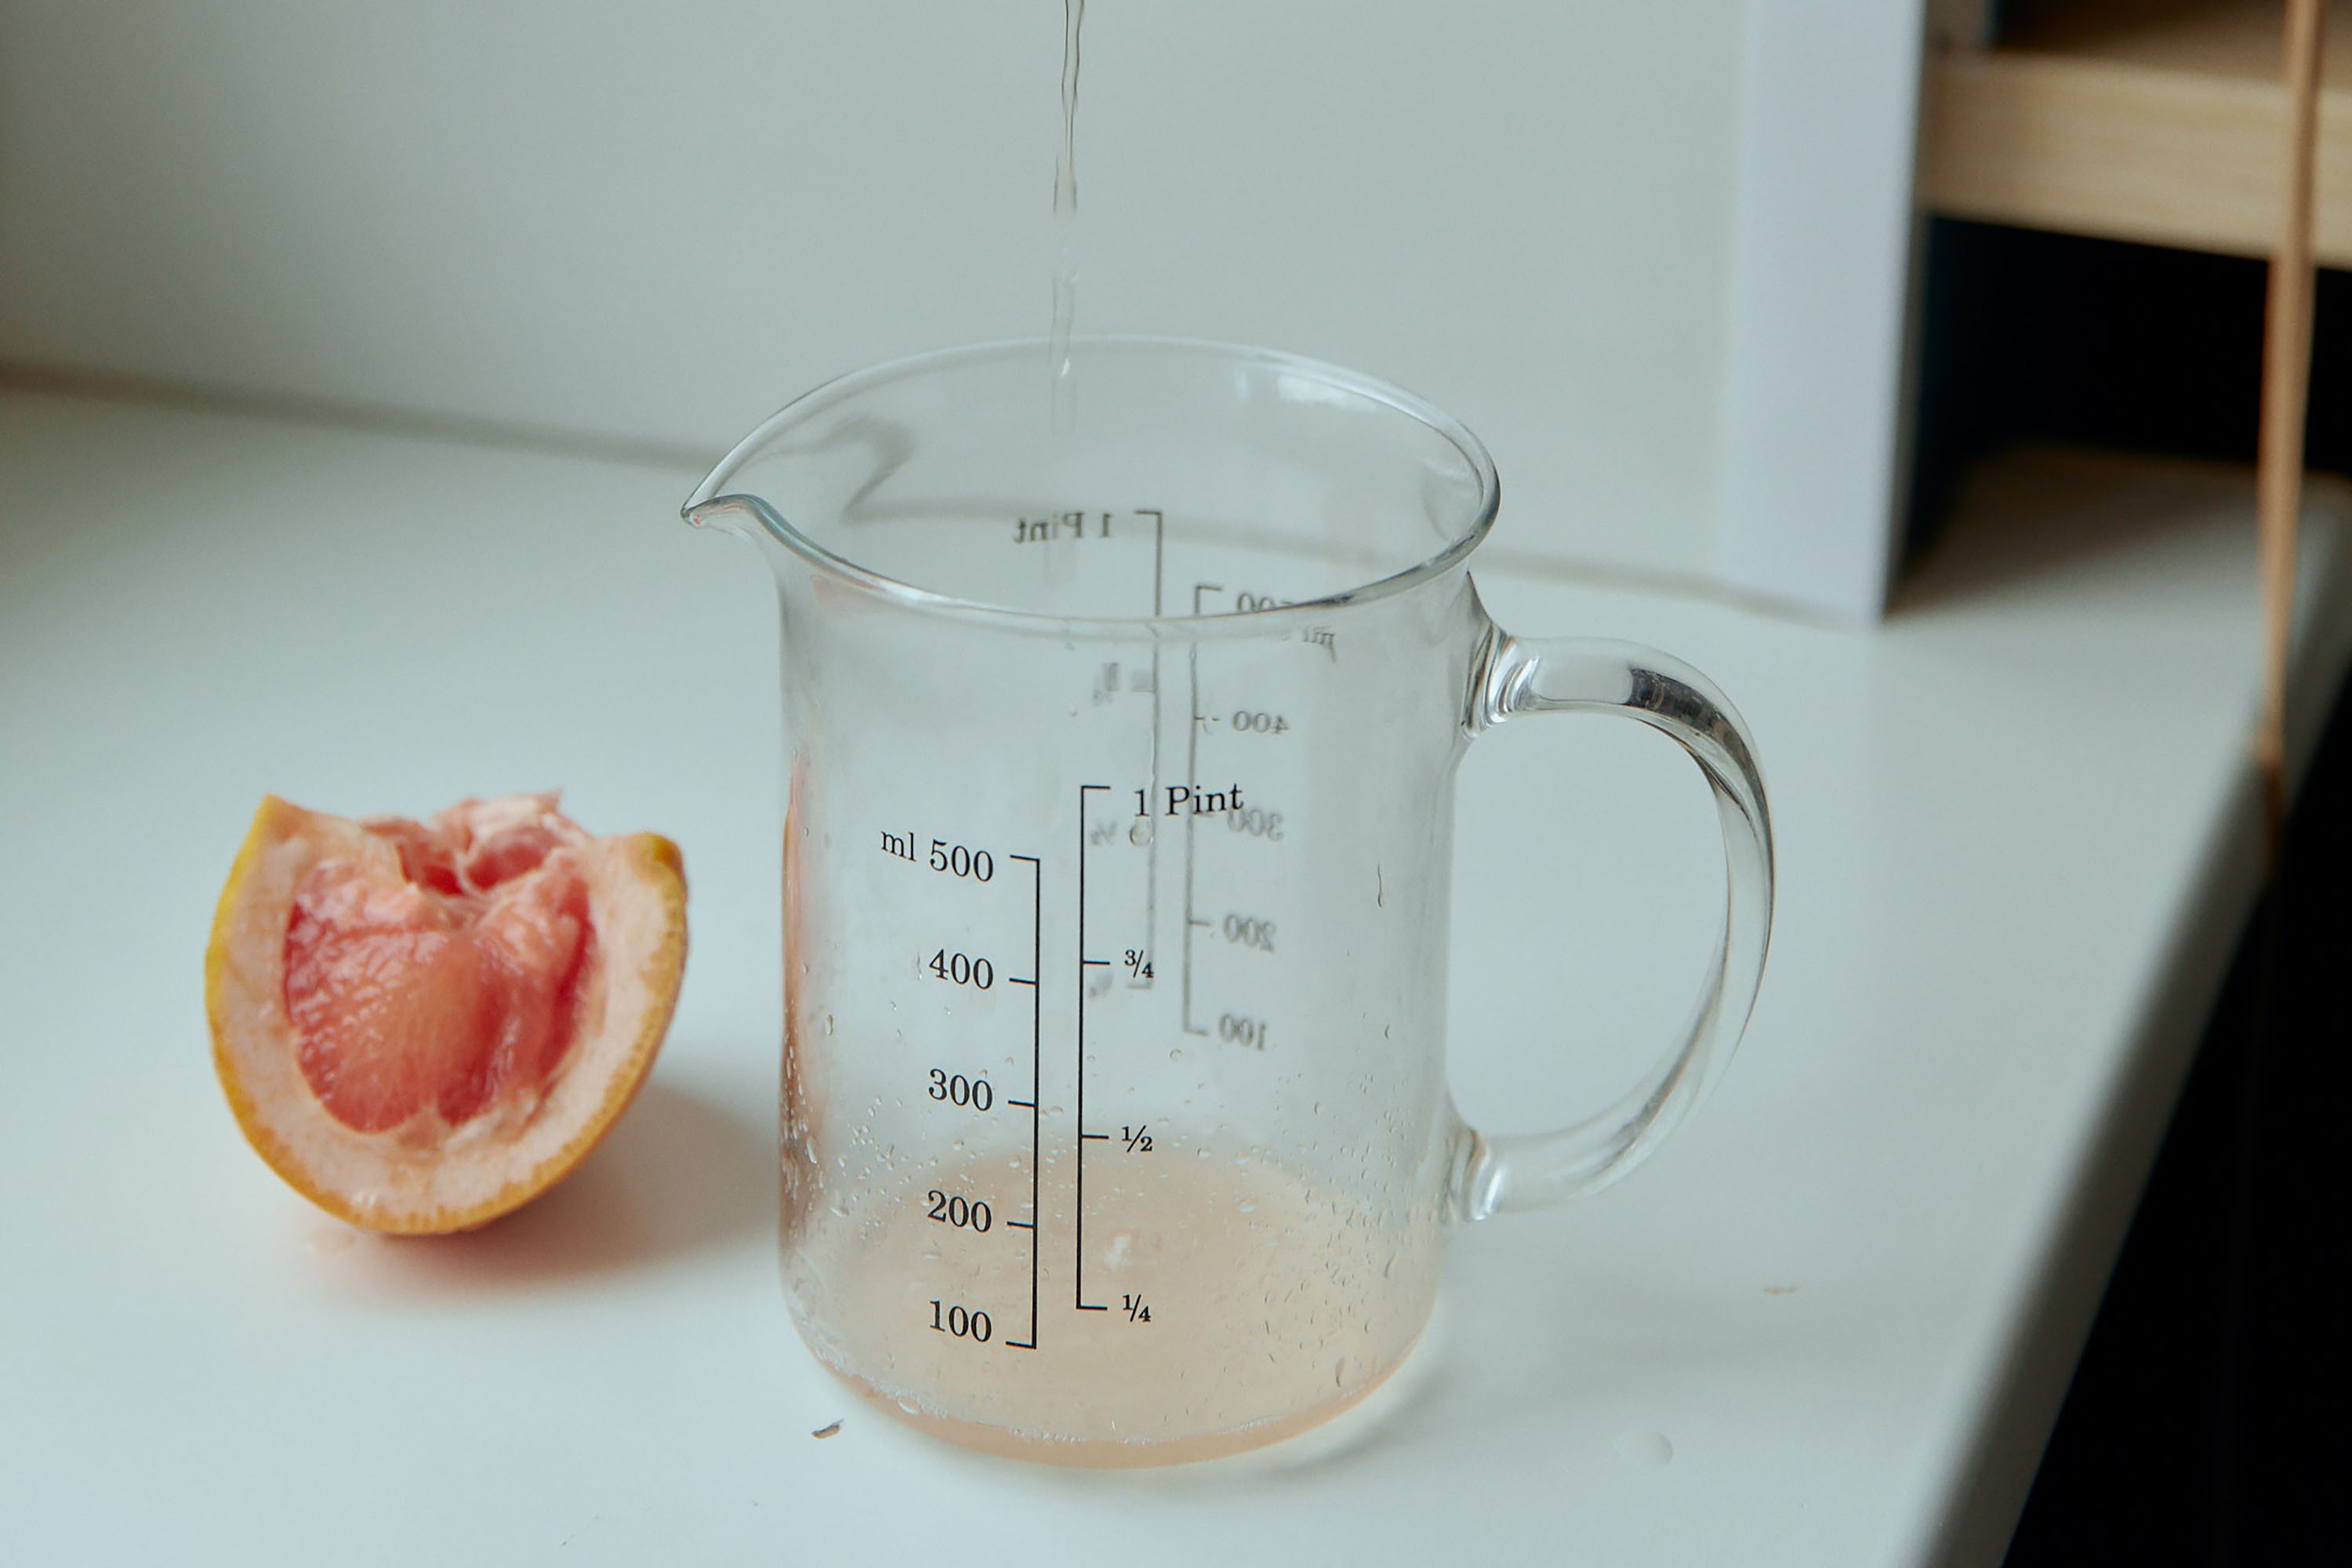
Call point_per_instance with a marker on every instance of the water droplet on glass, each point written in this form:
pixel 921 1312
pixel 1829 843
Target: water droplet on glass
pixel 1140 834
pixel 1176 1056
pixel 1646 1448
pixel 828 1023
pixel 1247 1206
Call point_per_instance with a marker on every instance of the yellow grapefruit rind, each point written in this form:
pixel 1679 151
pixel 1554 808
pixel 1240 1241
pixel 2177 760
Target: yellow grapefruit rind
pixel 470 1175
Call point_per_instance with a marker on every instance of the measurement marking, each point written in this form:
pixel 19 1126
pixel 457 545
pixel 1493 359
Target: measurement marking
pixel 1015 979
pixel 1095 962
pixel 1159 543
pixel 1099 1137
pixel 1036 1079
pixel 1078 1205
pixel 1152 848
pixel 1192 823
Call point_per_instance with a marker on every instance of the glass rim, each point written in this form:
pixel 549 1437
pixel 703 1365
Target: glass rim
pixel 712 494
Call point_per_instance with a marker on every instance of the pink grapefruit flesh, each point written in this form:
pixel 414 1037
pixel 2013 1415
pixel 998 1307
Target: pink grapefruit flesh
pixel 421 1025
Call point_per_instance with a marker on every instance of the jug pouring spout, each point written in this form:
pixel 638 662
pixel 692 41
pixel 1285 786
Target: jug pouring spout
pixel 809 460
pixel 745 517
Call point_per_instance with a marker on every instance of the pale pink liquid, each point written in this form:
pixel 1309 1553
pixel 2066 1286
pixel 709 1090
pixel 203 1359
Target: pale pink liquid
pixel 1243 1305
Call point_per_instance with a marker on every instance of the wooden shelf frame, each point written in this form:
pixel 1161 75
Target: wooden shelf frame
pixel 2159 122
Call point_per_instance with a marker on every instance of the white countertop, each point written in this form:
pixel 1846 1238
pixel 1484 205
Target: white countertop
pixel 1829 1324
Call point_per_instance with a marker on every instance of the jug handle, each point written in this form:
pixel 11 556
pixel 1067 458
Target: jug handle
pixel 1585 675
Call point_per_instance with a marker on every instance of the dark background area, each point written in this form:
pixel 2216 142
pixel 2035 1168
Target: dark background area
pixel 2051 336
pixel 2207 1422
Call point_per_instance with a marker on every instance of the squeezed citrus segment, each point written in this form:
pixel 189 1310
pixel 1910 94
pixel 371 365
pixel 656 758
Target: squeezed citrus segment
pixel 421 1025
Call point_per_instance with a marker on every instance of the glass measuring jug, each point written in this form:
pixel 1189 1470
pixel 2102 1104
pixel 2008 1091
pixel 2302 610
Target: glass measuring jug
pixel 1116 866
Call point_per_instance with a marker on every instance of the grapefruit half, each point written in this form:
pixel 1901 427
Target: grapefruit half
pixel 422 1025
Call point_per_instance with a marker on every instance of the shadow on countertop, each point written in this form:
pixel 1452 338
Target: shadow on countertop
pixel 680 1175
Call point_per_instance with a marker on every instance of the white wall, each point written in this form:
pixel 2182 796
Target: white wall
pixel 1814 461
pixel 662 221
